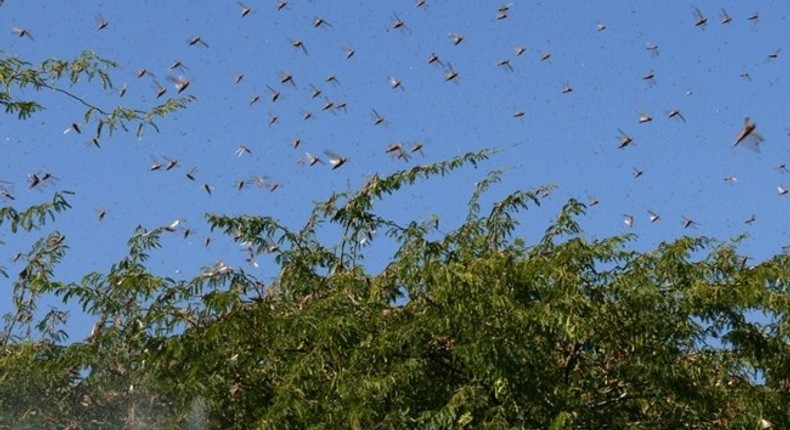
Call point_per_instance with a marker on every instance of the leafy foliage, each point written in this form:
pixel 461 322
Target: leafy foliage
pixel 88 66
pixel 474 329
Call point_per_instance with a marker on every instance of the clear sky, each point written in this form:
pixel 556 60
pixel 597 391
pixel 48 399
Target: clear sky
pixel 574 105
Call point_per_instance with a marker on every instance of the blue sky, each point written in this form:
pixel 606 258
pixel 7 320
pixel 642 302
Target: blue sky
pixel 569 139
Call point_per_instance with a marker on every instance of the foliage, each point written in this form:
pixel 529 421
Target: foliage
pixel 88 66
pixel 473 328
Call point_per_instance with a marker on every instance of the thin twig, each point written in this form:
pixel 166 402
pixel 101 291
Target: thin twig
pixel 79 99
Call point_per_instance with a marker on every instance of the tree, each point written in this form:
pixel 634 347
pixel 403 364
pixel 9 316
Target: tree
pixel 474 329
pixel 471 328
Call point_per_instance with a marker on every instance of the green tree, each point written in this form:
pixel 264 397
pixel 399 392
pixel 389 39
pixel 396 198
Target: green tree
pixel 473 328
pixel 42 383
pixel 477 329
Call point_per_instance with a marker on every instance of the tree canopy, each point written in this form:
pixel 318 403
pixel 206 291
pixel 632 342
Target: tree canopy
pixel 472 328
